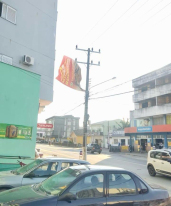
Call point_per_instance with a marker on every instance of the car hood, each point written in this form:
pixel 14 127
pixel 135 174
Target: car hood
pixel 8 178
pixel 22 195
pixel 154 186
pixel 6 174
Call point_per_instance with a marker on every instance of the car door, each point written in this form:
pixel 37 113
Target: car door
pixel 122 190
pixel 89 191
pixel 39 174
pixel 165 167
pixel 156 161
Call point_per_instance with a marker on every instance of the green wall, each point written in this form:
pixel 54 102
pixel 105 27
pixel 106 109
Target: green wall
pixel 19 103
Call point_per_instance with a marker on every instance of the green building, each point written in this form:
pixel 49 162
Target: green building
pixel 19 105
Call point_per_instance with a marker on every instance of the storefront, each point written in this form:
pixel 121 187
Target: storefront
pixel 147 137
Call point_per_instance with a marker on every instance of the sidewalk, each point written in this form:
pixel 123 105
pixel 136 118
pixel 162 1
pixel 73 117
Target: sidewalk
pixel 134 154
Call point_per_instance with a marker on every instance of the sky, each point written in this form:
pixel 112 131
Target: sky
pixel 134 37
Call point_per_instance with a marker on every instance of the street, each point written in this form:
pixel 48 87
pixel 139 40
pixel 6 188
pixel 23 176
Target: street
pixel 136 164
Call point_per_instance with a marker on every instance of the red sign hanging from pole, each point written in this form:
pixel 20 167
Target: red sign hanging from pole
pixel 69 74
pixel 43 125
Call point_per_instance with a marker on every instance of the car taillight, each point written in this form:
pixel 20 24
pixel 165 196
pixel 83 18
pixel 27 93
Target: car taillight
pixel 93 148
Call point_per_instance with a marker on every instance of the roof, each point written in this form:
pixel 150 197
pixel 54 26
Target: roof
pixel 79 132
pixel 161 150
pixel 151 76
pixel 97 168
pixel 58 158
pixel 65 116
pixel 105 121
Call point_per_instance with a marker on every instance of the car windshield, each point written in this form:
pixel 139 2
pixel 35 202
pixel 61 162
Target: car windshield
pixel 26 168
pixel 59 182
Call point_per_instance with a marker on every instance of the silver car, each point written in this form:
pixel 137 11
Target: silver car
pixel 35 172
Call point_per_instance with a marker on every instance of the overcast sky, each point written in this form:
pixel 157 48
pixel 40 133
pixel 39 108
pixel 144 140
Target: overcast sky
pixel 134 37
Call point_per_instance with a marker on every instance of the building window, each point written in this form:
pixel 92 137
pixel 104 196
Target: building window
pixel 8 13
pixel 122 142
pixel 5 59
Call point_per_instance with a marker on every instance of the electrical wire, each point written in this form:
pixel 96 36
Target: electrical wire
pixel 74 108
pixel 111 87
pixel 115 22
pixel 112 95
pixel 156 13
pixel 98 21
pixel 138 9
pixel 153 7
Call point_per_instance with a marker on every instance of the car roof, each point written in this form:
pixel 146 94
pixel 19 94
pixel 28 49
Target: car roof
pixel 89 168
pixel 161 150
pixel 62 159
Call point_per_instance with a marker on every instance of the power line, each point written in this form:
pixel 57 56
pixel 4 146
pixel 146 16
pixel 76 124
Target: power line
pixel 115 21
pixel 138 8
pixel 102 82
pixel 112 87
pixel 111 95
pixel 153 7
pixel 98 21
pixel 156 13
pixel 74 108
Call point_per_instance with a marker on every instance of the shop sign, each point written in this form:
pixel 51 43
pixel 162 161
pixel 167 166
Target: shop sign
pixel 144 129
pixel 46 126
pixel 11 131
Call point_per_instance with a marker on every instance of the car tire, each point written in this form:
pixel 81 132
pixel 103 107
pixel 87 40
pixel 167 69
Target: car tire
pixel 3 189
pixel 151 171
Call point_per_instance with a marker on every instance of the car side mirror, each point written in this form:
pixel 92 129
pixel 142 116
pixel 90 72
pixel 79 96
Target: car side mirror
pixel 67 197
pixel 143 191
pixel 30 175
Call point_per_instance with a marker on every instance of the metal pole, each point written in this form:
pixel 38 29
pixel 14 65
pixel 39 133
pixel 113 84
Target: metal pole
pixel 86 109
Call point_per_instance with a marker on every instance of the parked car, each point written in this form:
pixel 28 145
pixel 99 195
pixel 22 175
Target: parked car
pixel 93 147
pixel 87 185
pixel 159 162
pixel 35 172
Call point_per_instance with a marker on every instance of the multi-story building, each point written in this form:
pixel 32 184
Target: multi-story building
pixel 62 126
pixel 28 40
pixel 151 119
pixel 27 55
pixel 101 131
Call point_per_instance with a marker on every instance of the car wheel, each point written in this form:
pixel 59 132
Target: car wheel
pixel 151 171
pixel 3 189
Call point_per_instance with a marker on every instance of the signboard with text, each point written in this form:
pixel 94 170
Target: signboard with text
pixel 144 129
pixel 12 131
pixel 43 125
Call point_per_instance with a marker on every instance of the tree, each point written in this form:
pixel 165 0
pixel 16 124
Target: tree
pixel 123 124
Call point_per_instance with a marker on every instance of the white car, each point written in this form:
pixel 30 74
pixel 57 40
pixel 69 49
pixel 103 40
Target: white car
pixel 36 172
pixel 159 162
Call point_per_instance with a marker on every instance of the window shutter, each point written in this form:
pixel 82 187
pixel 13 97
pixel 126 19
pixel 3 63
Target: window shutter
pixel 11 15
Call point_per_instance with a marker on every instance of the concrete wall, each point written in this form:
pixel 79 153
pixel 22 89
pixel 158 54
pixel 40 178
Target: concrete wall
pixel 34 35
pixel 151 111
pixel 158 91
pixel 19 100
pixel 164 71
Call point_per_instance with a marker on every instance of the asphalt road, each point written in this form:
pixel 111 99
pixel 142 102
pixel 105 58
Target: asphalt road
pixel 136 164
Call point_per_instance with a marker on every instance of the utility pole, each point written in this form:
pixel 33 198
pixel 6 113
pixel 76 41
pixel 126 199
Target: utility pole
pixel 86 115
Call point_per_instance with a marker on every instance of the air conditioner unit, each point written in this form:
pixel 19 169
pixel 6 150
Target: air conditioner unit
pixel 28 60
